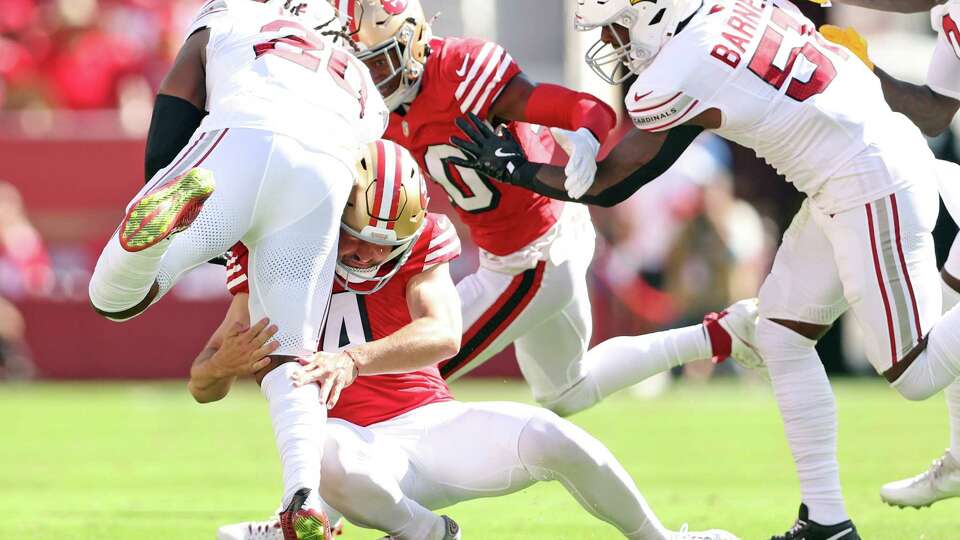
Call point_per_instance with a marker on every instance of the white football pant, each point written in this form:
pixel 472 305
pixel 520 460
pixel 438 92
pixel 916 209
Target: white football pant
pixel 543 307
pixel 390 475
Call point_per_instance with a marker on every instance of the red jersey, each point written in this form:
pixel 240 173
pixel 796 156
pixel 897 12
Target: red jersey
pixel 467 75
pixel 354 319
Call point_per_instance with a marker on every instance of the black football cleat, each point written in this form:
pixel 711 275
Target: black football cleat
pixel 804 529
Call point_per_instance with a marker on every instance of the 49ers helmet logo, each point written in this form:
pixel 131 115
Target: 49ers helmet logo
pixel 394 7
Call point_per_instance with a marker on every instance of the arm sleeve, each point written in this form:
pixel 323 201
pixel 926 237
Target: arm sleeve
pixel 943 75
pixel 174 122
pixel 555 106
pixel 673 147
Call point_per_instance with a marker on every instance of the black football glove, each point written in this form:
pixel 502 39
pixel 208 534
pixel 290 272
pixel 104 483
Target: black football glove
pixel 494 154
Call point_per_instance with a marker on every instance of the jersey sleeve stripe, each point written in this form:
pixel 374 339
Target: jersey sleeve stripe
pixel 236 282
pixel 679 118
pixel 488 70
pixel 444 246
pixel 658 105
pixel 444 254
pixel 507 62
pixel 478 62
pixel 442 238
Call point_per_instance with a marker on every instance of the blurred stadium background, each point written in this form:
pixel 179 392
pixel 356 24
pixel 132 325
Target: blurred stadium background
pixel 77 80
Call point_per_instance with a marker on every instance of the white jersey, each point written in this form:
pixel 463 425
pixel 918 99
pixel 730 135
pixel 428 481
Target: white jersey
pixel 266 69
pixel 943 76
pixel 807 107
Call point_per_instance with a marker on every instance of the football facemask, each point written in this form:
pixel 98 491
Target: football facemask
pixel 393 31
pixel 650 23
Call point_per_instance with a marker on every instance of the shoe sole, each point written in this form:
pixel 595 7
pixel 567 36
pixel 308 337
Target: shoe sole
pixel 169 209
pixel 902 506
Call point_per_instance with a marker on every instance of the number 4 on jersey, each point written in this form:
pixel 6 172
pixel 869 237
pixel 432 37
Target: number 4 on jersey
pixel 347 323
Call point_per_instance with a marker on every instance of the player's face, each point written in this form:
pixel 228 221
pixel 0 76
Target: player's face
pixel 382 67
pixel 361 255
pixel 613 31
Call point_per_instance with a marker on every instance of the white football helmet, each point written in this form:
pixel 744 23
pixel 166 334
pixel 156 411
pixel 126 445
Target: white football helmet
pixel 650 22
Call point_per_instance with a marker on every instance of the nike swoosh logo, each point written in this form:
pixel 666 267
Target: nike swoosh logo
pixel 499 153
pixel 841 534
pixel 638 97
pixel 463 69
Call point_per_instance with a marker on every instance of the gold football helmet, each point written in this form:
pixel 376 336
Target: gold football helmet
pixel 397 32
pixel 387 207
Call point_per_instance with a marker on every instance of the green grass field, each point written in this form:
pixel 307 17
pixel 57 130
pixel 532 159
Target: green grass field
pixel 142 461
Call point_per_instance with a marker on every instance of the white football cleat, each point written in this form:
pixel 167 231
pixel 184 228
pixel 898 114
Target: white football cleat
pixel 739 322
pixel 251 530
pixel 712 534
pixel 940 481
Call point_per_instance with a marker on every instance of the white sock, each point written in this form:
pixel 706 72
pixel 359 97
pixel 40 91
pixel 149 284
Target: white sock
pixel 551 448
pixel 122 278
pixel 809 413
pixel 298 420
pixel 623 361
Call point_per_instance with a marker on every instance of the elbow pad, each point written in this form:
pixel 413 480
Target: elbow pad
pixel 173 123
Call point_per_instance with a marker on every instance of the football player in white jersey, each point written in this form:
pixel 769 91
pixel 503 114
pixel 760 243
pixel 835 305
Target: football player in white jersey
pixel 932 108
pixel 271 164
pixel 758 73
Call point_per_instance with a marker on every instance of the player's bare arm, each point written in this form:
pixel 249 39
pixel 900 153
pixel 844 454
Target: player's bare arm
pixel 180 104
pixel 235 349
pixel 637 160
pixel 930 111
pixel 898 6
pixel 432 336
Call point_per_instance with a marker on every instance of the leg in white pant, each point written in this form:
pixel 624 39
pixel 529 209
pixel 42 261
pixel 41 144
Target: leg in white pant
pixel 521 445
pixel 804 292
pixel 885 256
pixel 361 478
pixel 284 201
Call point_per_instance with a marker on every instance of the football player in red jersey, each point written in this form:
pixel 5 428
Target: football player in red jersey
pixel 530 289
pixel 398 445
pixel 931 107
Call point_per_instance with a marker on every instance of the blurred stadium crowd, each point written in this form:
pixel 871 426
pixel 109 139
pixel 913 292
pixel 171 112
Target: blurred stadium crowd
pixel 697 239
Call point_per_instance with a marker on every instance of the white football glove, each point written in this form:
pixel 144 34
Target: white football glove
pixel 581 170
